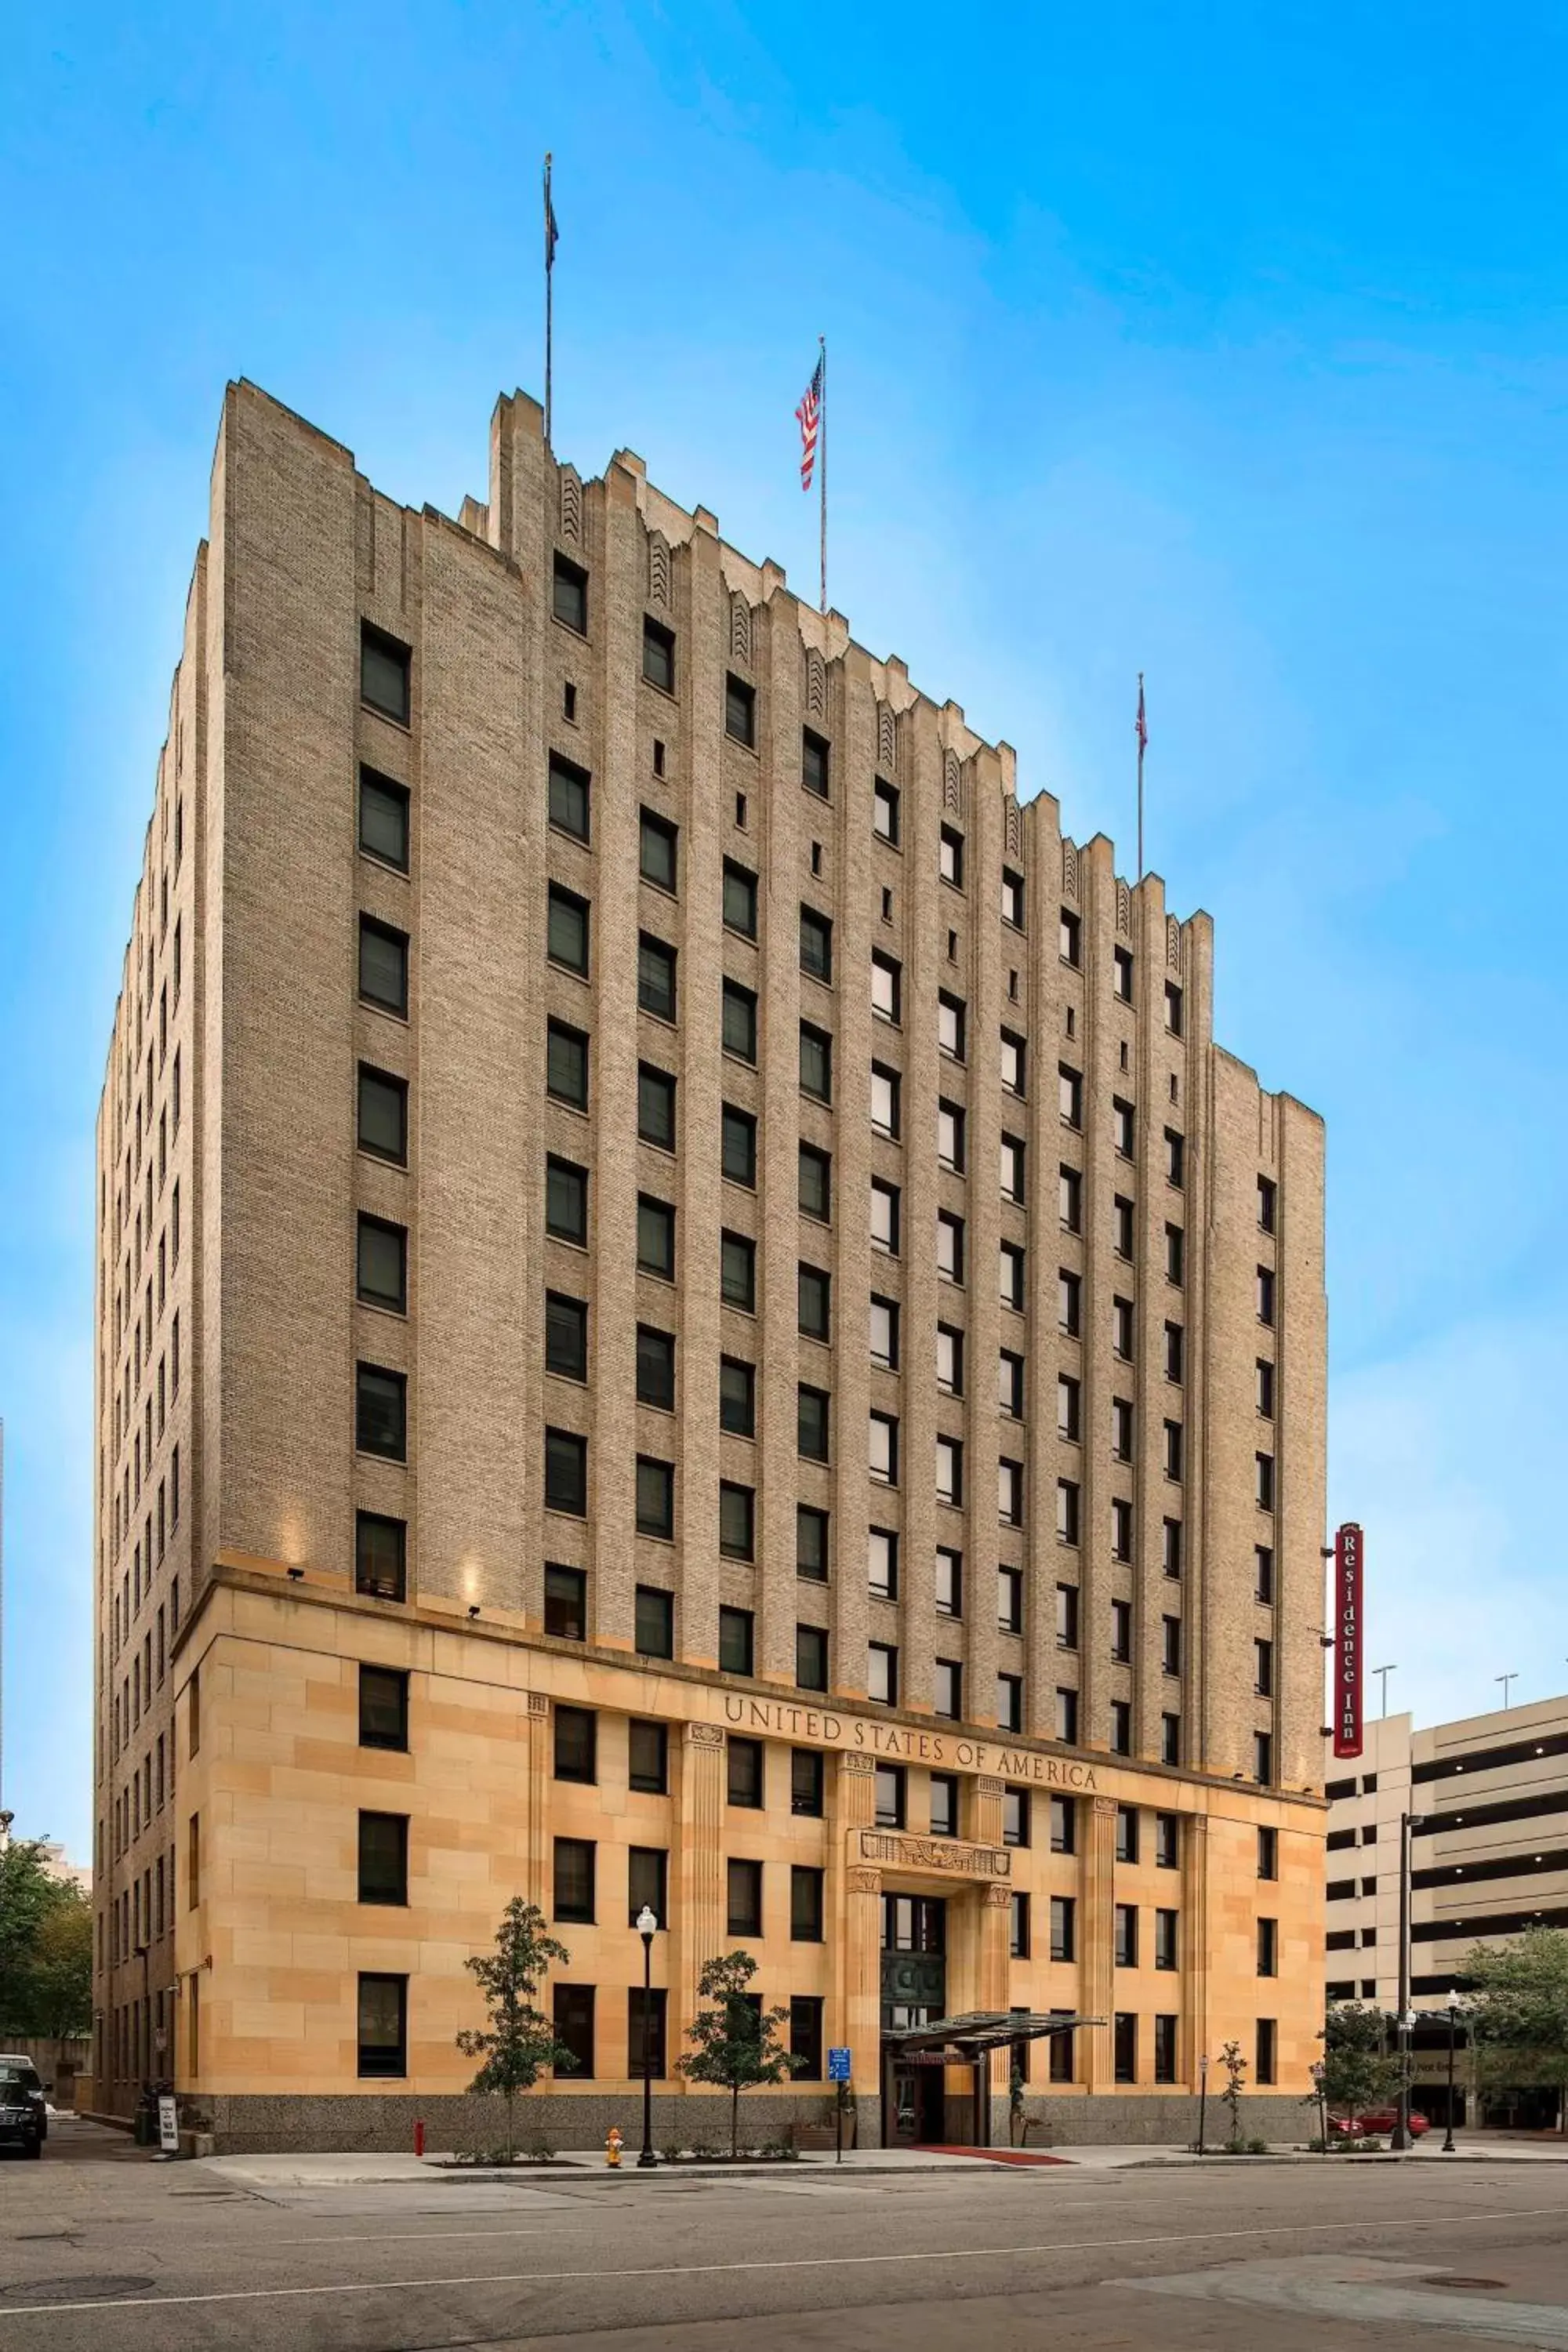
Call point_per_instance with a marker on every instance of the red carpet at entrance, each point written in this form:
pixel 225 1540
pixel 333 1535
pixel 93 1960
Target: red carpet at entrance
pixel 993 2155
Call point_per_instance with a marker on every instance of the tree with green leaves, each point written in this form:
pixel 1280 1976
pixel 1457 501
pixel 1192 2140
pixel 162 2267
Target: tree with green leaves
pixel 1517 2013
pixel 45 1947
pixel 1234 2066
pixel 1359 2069
pixel 735 2038
pixel 519 2041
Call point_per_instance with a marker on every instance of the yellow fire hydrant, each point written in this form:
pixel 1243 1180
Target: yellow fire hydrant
pixel 613 2143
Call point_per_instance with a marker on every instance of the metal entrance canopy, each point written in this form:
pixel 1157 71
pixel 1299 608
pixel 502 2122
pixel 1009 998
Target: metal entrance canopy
pixel 979 2031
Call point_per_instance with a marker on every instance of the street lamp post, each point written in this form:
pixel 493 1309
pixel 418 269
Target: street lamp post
pixel 647 1927
pixel 1453 2021
pixel 1202 2101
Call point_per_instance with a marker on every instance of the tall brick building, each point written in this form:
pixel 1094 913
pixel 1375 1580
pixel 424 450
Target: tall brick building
pixel 687 1313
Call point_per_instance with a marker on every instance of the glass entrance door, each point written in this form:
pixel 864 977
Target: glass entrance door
pixel 914 1992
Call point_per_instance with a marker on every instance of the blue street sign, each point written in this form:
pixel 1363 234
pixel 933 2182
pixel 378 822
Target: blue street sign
pixel 838 2065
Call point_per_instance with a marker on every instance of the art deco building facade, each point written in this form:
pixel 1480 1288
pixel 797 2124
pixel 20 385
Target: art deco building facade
pixel 687 1313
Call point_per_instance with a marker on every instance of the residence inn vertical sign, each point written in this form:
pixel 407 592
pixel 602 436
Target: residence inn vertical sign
pixel 1348 1639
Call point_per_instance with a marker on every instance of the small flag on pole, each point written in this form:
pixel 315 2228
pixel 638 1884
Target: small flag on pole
pixel 1142 723
pixel 808 416
pixel 550 229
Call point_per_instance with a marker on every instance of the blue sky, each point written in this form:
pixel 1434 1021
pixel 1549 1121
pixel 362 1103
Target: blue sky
pixel 1229 344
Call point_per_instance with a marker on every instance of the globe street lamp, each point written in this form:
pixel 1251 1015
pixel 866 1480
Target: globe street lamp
pixel 1453 2021
pixel 647 1927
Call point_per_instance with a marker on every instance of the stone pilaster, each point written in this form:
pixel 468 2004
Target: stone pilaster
pixel 1196 1930
pixel 855 1905
pixel 697 1928
pixel 538 1864
pixel 1096 2056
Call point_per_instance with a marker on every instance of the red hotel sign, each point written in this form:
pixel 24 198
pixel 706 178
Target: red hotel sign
pixel 1347 1640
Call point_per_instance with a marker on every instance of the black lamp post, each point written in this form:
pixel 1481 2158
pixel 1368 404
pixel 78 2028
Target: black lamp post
pixel 1453 2021
pixel 647 1927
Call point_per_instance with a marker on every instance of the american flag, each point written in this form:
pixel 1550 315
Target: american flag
pixel 808 416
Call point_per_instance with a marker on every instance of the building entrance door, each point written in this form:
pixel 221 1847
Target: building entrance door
pixel 914 1992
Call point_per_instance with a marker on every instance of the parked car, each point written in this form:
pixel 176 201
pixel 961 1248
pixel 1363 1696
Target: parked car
pixel 1377 2121
pixel 24 2108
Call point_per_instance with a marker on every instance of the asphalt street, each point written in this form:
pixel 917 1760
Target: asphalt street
pixel 98 2251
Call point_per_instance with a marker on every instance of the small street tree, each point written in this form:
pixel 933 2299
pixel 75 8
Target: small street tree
pixel 1359 2071
pixel 1234 2066
pixel 736 2039
pixel 519 2041
pixel 1517 2013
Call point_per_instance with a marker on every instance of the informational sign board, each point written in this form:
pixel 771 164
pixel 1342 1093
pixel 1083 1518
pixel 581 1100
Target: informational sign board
pixel 838 2065
pixel 1348 1565
pixel 168 2123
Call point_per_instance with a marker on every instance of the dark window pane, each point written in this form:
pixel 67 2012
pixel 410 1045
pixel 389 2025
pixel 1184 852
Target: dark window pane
pixel 737 1510
pixel 570 594
pixel 566 1064
pixel 383 819
pixel 655 1106
pixel 745 1778
pixel 744 1898
pixel 805 2035
pixel 816 1062
pixel 740 1021
pixel 812 1408
pixel 738 1271
pixel 811 1657
pixel 658 844
pixel 383 965
pixel 379 1556
pixel 383 1115
pixel 649 2057
pixel 381 1413
pixel 383 666
pixel 384 1857
pixel 656 1236
pixel 814 763
pixel 576 1744
pixel 383 1708
pixel 383 1264
pixel 807 1782
pixel 738 1146
pixel 565 1336
pixel 816 944
pixel 565 1473
pixel 568 938
pixel 647 1882
pixel 567 1603
pixel 816 1183
pixel 383 2025
pixel 655 1366
pixel 739 899
pixel 810 1543
pixel 647 1766
pixel 574 1859
pixel 804 1905
pixel 737 1397
pixel 573 2016
pixel 658 655
pixel 815 1296
pixel 735 1640
pixel 655 1622
pixel 566 1200
pixel 740 710
pixel 569 795
pixel 655 1496
pixel 656 976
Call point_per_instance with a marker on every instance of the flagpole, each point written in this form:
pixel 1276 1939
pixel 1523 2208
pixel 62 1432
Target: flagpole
pixel 548 298
pixel 822 461
pixel 1141 740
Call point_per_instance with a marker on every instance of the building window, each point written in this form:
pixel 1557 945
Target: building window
pixel 1165 1934
pixel 1070 939
pixel 655 1366
pixel 737 1517
pixel 1173 1009
pixel 1010 1702
pixel 576 1744
pixel 884 1100
pixel 1268 1854
pixel 950 1246
pixel 739 899
pixel 1067 1616
pixel 570 595
pixel 383 2026
pixel 384 1708
pixel 885 1217
pixel 1174 1450
pixel 380 1556
pixel 1263 1756
pixel 948 1698
pixel 815 763
pixel 1266 1204
pixel 383 1115
pixel 1066 1717
pixel 570 787
pixel 884 1449
pixel 658 851
pixel 1120 1727
pixel 647 1757
pixel 384 673
pixel 1265 1392
pixel 658 655
pixel 816 1062
pixel 949 1471
pixel 815 1186
pixel 1263 1572
pixel 1070 1304
pixel 738 1271
pixel 1121 1429
pixel 653 1623
pixel 567 930
pixel 566 1200
pixel 655 1106
pixel 745 1784
pixel 1070 1100
pixel 1176 1255
pixel 1264 2070
pixel 573 2016
pixel 566 1064
pixel 884 810
pixel 1176 1162
pixel 1266 1295
pixel 882 1673
pixel 738 1146
pixel 1170 1740
pixel 1010 1276
pixel 950 1026
pixel 950 856
pixel 812 1411
pixel 566 1472
pixel 814 1300
pixel 1165 2049
pixel 806 1905
pixel 1121 1127
pixel 656 976
pixel 1265 1481
pixel 1012 899
pixel 810 1543
pixel 565 1603
pixel 1064 1928
pixel 566 1340
pixel 381 1413
pixel 574 1898
pixel 816 944
pixel 651 2021
pixel 807 1783
pixel 1174 1352
pixel 383 966
pixel 1125 1934
pixel 656 1236
pixel 1263 1669
pixel 1012 1062
pixel 1015 1821
pixel 1012 1169
pixel 1121 1529
pixel 1122 974
pixel 1069 1199
pixel 950 1136
pixel 890 1797
pixel 811 1657
pixel 740 711
pixel 944 1815
pixel 737 1397
pixel 383 819
pixel 655 1498
pixel 1269 1947
pixel 1067 1514
pixel 883 1333
pixel 1010 1493
pixel 1121 1329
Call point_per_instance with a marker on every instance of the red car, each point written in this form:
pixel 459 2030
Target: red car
pixel 1377 2121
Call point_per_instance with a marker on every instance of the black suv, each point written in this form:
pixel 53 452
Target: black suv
pixel 24 2112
